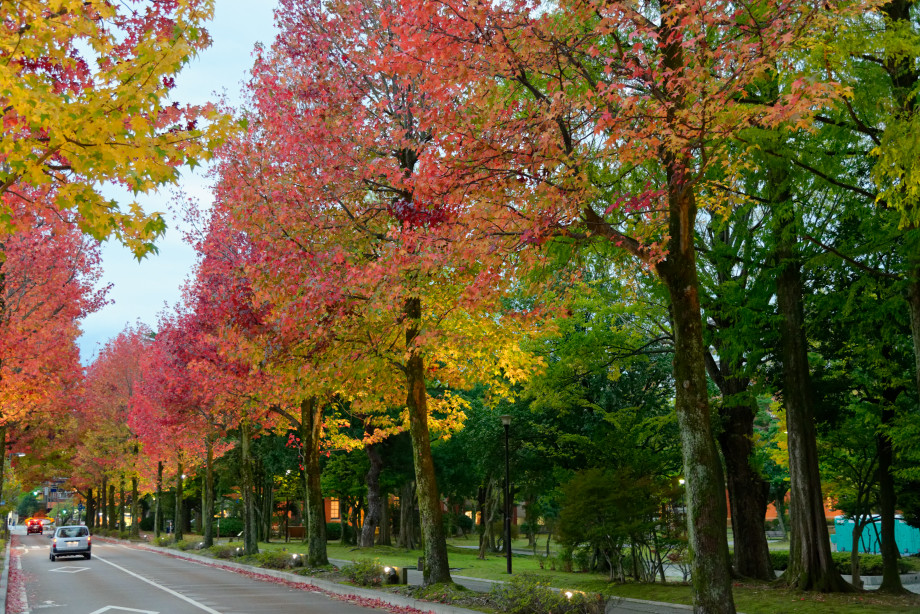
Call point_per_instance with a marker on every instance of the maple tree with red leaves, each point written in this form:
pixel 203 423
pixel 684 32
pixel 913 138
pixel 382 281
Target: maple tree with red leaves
pixel 109 448
pixel 371 272
pixel 48 282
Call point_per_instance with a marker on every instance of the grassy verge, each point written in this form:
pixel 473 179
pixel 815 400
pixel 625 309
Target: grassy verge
pixel 750 597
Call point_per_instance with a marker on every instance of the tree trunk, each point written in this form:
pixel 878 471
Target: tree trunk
pixel 113 506
pixel 891 579
pixel 135 508
pixel 913 300
pixel 103 504
pixel 747 490
pixel 374 513
pixel 311 424
pixel 707 515
pixel 407 516
pixel 90 509
pixel 158 504
pixel 122 507
pixel 436 568
pixel 810 563
pixel 384 535
pixel 747 493
pixel 207 499
pixel 247 485
pixel 177 522
pixel 858 525
pixel 3 461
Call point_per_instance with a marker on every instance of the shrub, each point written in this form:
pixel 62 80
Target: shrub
pixel 869 564
pixel 526 594
pixel 365 572
pixel 564 559
pixel 147 523
pixel 333 531
pixel 223 552
pixel 184 544
pixel 162 541
pixel 582 559
pixel 275 560
pixel 229 527
pixel 780 559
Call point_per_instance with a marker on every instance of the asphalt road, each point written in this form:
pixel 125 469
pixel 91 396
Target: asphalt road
pixel 119 579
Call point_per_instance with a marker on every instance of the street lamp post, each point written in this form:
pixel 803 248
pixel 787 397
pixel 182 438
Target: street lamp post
pixel 506 422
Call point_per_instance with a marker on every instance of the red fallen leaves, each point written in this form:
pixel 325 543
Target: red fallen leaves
pixel 16 583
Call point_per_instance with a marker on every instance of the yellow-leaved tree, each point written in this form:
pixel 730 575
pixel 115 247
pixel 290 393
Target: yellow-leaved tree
pixel 84 93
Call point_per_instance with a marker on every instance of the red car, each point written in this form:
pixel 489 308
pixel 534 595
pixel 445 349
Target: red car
pixel 33 525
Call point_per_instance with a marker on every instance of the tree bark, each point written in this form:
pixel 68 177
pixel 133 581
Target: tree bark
pixel 384 535
pixel 891 578
pixel 747 494
pixel 747 490
pixel 374 500
pixel 135 508
pixel 247 485
pixel 113 519
pixel 103 504
pixel 207 498
pixel 158 504
pixel 810 563
pixel 122 507
pixel 3 448
pixel 436 568
pixel 407 516
pixel 177 522
pixel 311 424
pixel 90 509
pixel 707 515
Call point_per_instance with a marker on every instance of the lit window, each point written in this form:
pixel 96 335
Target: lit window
pixel 333 508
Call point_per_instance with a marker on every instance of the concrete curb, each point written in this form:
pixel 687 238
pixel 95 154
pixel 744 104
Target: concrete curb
pixel 906 578
pixel 5 578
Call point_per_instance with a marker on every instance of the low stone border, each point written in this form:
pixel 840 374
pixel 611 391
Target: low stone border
pixel 5 578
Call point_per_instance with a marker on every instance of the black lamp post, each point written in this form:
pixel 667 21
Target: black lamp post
pixel 506 422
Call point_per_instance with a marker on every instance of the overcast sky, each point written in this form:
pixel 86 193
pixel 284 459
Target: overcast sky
pixel 141 290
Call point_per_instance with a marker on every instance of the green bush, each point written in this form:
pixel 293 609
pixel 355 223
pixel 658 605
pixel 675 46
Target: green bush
pixel 147 523
pixel 526 594
pixel 223 552
pixel 162 541
pixel 333 531
pixel 582 559
pixel 869 564
pixel 275 560
pixel 365 572
pixel 780 559
pixel 229 527
pixel 184 544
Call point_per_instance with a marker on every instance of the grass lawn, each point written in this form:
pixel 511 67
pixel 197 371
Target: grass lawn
pixel 750 597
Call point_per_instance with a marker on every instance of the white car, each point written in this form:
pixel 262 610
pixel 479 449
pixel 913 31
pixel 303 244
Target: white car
pixel 71 541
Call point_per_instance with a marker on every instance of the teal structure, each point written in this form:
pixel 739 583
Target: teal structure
pixel 907 537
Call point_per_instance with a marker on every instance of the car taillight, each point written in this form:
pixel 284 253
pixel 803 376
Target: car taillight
pixel 54 541
pixel 89 540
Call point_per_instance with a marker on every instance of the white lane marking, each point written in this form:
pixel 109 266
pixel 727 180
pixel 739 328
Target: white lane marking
pixel 115 607
pixel 198 605
pixel 68 569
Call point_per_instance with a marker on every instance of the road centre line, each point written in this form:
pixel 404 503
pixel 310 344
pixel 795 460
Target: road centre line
pixel 197 604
